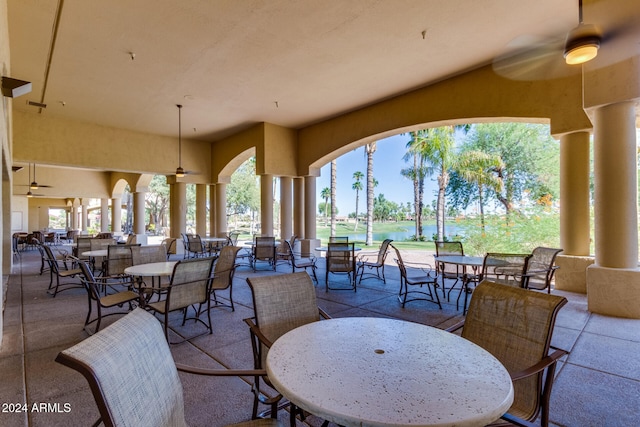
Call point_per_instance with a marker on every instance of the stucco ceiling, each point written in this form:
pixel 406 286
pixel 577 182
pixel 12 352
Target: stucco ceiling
pixel 233 63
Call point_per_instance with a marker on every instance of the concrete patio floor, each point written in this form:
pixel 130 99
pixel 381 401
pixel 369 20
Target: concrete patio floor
pixel 597 384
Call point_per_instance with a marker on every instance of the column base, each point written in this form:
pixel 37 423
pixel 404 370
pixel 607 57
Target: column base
pixel 613 291
pixel 572 274
pixel 142 239
pixel 308 246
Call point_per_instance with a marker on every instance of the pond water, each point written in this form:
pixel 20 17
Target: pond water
pixel 427 231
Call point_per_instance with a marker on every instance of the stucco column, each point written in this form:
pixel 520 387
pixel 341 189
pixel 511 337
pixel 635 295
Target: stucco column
pixel 138 213
pixel 616 186
pixel 201 209
pixel 574 194
pixel 266 205
pixel 221 209
pixel 85 216
pixel 575 219
pixel 309 207
pixel 178 209
pixel 298 207
pixel 286 207
pixel 613 282
pixel 74 218
pixel 116 214
pixel 213 229
pixel 104 215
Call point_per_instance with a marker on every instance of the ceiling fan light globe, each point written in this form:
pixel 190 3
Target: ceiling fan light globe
pixel 33 185
pixel 579 51
pixel 29 194
pixel 179 172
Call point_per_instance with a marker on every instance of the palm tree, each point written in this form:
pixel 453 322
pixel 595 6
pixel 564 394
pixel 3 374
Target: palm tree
pixel 357 185
pixel 369 150
pixel 417 175
pixel 435 148
pixel 325 194
pixel 334 165
pixel 479 168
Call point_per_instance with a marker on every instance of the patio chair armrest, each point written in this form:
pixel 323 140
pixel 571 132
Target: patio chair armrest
pixel 364 256
pixel 540 366
pixel 221 372
pixel 530 273
pixel 517 421
pixel 427 268
pixel 299 255
pixel 255 331
pixel 323 314
pixel 455 326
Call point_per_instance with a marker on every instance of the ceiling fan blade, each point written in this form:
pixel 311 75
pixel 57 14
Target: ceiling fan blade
pixel 542 60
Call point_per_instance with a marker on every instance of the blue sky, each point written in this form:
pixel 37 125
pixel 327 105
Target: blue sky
pixel 387 163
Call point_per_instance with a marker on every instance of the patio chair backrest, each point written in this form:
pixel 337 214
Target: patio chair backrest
pixel 131 351
pixel 449 248
pixel 148 254
pixel 264 248
pixel 233 237
pixel 224 267
pixel 88 280
pixel 97 244
pixel 195 243
pixel 541 268
pixel 118 258
pixel 170 245
pixel 282 303
pixel 515 325
pixel 384 250
pixel 83 245
pixel 505 268
pixel 189 283
pixel 340 257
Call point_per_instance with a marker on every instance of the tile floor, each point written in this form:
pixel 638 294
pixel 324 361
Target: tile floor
pixel 598 384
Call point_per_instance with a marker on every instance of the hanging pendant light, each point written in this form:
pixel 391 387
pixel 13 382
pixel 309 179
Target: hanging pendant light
pixel 582 42
pixel 179 170
pixel 34 184
pixel 29 193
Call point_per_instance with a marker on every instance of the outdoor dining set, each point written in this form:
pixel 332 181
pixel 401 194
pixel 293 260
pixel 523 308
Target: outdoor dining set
pixel 325 368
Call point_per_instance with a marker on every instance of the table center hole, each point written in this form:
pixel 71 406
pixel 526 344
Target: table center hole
pixel 378 351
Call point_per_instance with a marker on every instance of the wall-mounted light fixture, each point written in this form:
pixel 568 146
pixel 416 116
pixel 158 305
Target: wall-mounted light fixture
pixel 582 49
pixel 13 88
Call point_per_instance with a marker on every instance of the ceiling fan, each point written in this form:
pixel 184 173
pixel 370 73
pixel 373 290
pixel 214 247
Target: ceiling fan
pixel 560 56
pixel 33 185
pixel 180 172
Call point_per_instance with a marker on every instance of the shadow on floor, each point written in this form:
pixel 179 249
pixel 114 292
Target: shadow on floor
pixel 598 384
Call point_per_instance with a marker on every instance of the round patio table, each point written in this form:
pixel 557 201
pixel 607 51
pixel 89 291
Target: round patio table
pixel 385 372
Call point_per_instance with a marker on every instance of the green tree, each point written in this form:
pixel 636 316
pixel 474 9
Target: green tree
pixel 357 186
pixel 434 148
pixel 384 209
pixel 243 195
pixel 325 194
pixel 480 170
pixel 416 174
pixel 334 167
pixel 156 201
pixel 369 150
pixel 530 157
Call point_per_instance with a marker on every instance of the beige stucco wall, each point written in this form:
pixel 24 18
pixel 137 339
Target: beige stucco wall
pixel 65 182
pixel 476 96
pixel 49 140
pixel 5 138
